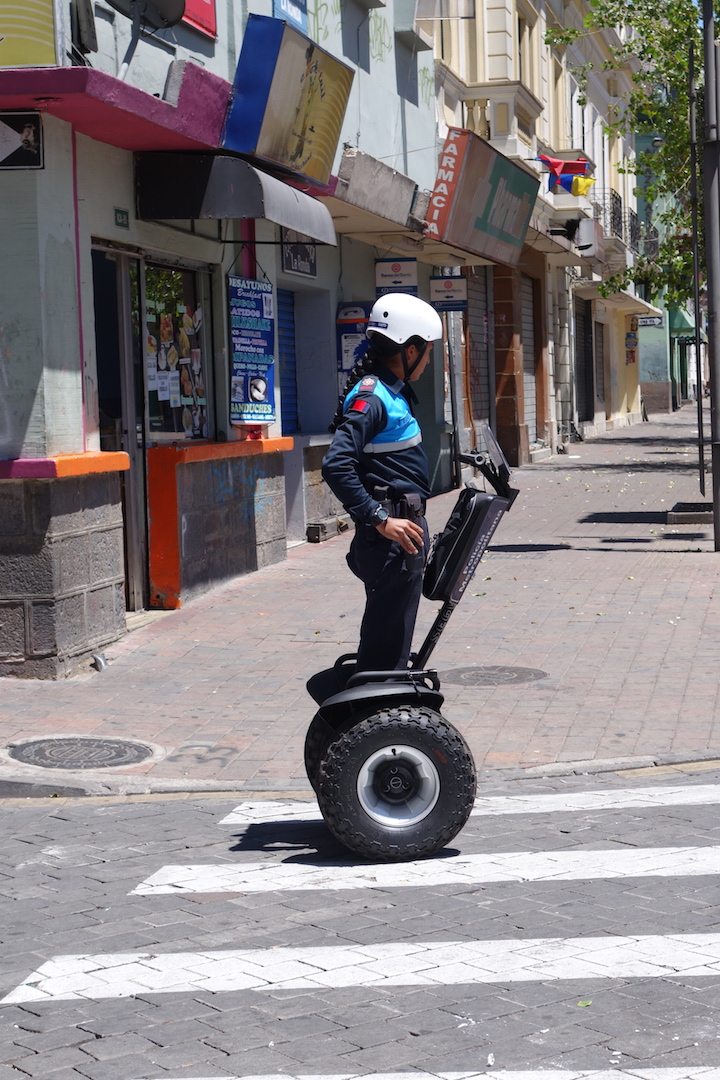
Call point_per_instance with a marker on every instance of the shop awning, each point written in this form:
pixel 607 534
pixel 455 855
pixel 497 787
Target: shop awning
pixel 374 203
pixel 194 186
pixel 387 235
pixel 190 115
pixel 624 301
pixel 680 322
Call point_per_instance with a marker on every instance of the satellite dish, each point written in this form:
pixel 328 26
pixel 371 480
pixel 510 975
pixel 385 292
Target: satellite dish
pixel 154 13
pixel 157 14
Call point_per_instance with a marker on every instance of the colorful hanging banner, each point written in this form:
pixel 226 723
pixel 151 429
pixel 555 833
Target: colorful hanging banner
pixel 557 166
pixel 575 185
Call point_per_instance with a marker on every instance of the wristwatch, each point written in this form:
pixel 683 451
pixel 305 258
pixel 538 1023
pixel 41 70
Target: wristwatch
pixel 380 516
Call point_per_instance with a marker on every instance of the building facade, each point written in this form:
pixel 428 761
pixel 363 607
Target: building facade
pixel 565 361
pixel 196 219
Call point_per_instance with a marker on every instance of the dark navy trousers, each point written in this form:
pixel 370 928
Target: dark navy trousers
pixel 393 586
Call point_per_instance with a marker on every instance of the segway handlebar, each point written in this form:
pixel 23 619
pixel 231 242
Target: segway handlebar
pixel 493 466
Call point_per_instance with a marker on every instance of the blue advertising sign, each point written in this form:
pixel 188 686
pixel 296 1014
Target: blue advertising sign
pixel 292 11
pixel 288 100
pixel 252 362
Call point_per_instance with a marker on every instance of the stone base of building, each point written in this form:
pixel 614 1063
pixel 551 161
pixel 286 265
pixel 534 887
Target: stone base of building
pixel 657 396
pixel 62 591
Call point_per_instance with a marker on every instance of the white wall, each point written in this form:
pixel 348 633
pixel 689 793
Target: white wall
pixel 40 336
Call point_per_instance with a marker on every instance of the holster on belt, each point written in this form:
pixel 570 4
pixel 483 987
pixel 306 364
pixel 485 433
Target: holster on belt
pixel 411 505
pixel 408 505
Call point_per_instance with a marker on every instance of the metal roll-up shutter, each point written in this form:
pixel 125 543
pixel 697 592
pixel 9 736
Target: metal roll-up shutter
pixel 478 344
pixel 584 390
pixel 287 361
pixel 527 337
pixel 600 361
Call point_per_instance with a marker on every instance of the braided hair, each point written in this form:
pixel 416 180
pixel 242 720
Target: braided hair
pixel 379 350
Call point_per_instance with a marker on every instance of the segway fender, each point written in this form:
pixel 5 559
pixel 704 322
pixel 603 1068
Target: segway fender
pixel 369 697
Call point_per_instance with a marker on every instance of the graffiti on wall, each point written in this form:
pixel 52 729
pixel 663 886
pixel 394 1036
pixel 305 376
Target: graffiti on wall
pixel 426 82
pixel 319 15
pixel 380 37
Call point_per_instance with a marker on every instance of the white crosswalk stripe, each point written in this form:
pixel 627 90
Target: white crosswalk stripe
pixel 704 1072
pixel 428 963
pixel 267 811
pixel 574 865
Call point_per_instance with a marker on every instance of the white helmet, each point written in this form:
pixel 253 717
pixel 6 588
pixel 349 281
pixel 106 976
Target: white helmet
pixel 399 316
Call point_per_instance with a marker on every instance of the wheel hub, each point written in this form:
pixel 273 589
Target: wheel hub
pixel 398 785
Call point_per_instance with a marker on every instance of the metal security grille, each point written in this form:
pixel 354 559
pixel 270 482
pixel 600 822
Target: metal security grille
pixel 584 360
pixel 478 345
pixel 287 361
pixel 599 361
pixel 528 343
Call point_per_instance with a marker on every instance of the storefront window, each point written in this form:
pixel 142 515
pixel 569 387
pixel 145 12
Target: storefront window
pixel 176 368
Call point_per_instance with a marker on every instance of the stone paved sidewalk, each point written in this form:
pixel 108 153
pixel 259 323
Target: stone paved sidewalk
pixel 585 582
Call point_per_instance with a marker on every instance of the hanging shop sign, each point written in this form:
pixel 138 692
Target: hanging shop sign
pixel 352 341
pixel 288 100
pixel 396 275
pixel 21 140
pixel 292 11
pixel 27 33
pixel 449 293
pixel 200 14
pixel 299 253
pixel 252 361
pixel 481 202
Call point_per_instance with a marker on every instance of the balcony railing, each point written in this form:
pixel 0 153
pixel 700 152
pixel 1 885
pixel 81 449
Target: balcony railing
pixel 632 231
pixel 616 222
pixel 651 244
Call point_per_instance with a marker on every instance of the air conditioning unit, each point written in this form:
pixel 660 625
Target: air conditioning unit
pixel 590 239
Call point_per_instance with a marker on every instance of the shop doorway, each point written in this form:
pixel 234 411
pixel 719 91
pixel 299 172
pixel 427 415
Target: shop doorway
pixel 584 361
pixel 152 349
pixel 116 284
pixel 287 361
pixel 527 336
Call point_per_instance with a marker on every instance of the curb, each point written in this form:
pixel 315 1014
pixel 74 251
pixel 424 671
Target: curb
pixel 21 784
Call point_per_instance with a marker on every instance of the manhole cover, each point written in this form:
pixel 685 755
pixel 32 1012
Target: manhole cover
pixel 491 676
pixel 79 753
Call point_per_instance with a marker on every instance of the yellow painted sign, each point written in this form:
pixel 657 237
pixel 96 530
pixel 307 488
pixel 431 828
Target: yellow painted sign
pixel 27 33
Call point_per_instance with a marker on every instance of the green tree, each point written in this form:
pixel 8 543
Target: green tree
pixel 653 49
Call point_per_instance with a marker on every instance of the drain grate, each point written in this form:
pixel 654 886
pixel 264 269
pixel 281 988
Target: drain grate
pixel 79 753
pixel 493 675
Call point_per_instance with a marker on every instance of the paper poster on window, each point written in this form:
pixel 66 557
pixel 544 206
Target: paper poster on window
pixel 252 334
pixel 163 385
pixel 174 368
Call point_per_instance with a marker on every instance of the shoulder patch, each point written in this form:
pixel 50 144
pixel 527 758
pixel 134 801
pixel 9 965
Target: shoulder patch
pixel 368 381
pixel 359 405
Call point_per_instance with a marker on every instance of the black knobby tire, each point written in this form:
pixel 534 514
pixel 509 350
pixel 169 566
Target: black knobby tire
pixel 398 785
pixel 318 738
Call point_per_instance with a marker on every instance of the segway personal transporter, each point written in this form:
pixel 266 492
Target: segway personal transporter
pixel 394 779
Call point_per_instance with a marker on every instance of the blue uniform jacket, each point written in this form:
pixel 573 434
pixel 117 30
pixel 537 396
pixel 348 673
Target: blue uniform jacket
pixel 378 443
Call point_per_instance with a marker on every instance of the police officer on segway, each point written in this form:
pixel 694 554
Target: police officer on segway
pixel 377 467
